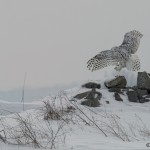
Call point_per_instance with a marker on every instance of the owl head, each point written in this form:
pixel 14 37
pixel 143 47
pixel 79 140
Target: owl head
pixel 132 39
pixel 134 34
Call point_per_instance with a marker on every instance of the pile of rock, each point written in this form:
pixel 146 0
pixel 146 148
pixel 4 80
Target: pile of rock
pixel 139 93
pixel 118 85
pixel 90 98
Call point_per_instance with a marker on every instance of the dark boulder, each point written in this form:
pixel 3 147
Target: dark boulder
pixel 118 82
pixel 134 88
pixel 94 95
pixel 144 100
pixel 107 102
pixel 143 81
pixel 118 90
pixel 89 95
pixel 147 96
pixel 141 93
pixel 82 95
pixel 117 97
pixel 91 85
pixel 91 103
pixel 138 95
pixel 148 91
pixel 91 98
pixel 132 96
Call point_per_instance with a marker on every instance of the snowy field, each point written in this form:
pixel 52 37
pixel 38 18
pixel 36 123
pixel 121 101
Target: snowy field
pixel 126 124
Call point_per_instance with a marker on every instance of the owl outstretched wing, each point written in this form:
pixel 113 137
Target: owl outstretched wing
pixel 104 59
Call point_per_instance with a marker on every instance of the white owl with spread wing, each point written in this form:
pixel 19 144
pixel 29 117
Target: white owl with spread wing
pixel 122 56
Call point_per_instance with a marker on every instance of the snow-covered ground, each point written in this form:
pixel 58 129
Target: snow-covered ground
pixel 130 122
pixel 12 107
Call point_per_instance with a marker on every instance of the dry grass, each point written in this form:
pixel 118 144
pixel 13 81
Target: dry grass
pixel 48 129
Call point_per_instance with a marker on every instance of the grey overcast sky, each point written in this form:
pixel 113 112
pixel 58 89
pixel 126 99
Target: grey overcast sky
pixel 52 40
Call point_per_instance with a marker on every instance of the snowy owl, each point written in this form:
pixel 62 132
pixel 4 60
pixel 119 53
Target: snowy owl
pixel 122 56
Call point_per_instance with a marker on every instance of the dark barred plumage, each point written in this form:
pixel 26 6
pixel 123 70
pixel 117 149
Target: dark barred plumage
pixel 121 56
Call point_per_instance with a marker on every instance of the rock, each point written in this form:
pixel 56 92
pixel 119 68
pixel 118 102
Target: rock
pixel 143 100
pixel 132 96
pixel 98 95
pixel 91 85
pixel 117 97
pixel 107 102
pixel 91 98
pixel 89 95
pixel 118 90
pixel 147 96
pixel 138 95
pixel 141 93
pixel 134 88
pixel 82 95
pixel 91 103
pixel 94 95
pixel 143 81
pixel 118 82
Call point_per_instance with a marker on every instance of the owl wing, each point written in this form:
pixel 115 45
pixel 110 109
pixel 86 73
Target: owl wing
pixel 104 59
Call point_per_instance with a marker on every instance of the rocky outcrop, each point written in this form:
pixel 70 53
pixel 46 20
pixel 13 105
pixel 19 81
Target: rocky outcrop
pixel 144 100
pixel 118 82
pixel 91 103
pixel 141 93
pixel 90 98
pixel 91 85
pixel 94 94
pixel 82 95
pixel 132 96
pixel 107 102
pixel 143 81
pixel 138 95
pixel 117 97
pixel 118 90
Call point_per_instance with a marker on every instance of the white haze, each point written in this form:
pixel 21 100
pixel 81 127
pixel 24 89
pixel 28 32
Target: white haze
pixel 52 40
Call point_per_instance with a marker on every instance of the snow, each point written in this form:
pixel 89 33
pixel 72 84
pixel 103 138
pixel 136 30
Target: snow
pixel 12 107
pixel 133 119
